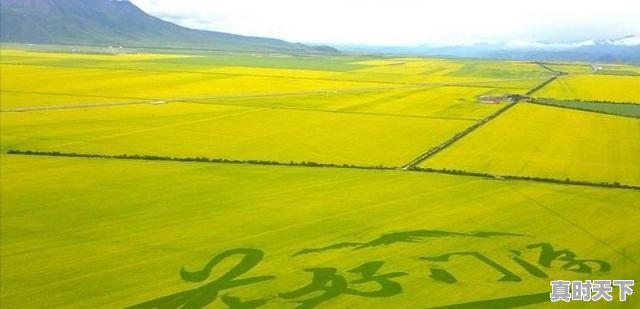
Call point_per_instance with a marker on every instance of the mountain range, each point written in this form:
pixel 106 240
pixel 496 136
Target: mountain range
pixel 622 50
pixel 120 23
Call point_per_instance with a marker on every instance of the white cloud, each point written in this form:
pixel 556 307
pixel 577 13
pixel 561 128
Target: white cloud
pixel 627 41
pixel 406 22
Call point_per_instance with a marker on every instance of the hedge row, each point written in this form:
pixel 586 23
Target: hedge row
pixel 189 159
pixel 316 164
pixel 530 178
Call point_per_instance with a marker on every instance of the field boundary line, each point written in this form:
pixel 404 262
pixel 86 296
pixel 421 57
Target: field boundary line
pixel 217 101
pixel 615 185
pixel 556 74
pixel 217 97
pixel 480 84
pixel 211 73
pixel 432 151
pixel 189 99
pixel 565 181
pixel 425 155
pixel 542 85
pixel 546 67
pixel 597 72
pixel 330 111
pixel 191 159
pixel 61 107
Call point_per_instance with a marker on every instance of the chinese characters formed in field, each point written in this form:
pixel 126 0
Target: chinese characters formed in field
pixel 374 279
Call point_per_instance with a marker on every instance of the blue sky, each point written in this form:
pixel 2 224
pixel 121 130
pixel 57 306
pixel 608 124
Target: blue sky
pixel 407 22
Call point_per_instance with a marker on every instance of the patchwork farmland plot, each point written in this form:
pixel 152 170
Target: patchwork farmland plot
pixel 149 219
pixel 105 79
pixel 571 68
pixel 229 132
pixel 147 85
pixel 543 141
pixel 628 110
pixel 446 102
pixel 303 181
pixel 509 75
pixel 609 88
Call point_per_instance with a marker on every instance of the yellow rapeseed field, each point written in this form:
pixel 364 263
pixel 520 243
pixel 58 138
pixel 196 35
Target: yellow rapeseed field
pixel 591 87
pixel 542 141
pixel 265 180
pixel 229 132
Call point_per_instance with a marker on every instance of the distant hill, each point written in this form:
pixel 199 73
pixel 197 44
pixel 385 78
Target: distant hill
pixel 621 50
pixel 119 23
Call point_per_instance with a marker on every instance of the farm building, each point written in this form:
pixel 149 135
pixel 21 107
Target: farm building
pixel 495 99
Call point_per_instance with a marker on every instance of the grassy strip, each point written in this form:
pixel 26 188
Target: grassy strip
pixel 616 109
pixel 591 101
pixel 453 139
pixel 316 164
pixel 566 181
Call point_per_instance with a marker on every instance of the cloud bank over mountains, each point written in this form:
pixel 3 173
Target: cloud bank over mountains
pixel 408 22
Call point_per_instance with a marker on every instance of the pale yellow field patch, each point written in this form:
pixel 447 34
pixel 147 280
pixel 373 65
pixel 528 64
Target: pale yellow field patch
pixel 439 101
pixel 271 72
pixel 445 102
pixel 592 87
pixel 151 85
pixel 244 133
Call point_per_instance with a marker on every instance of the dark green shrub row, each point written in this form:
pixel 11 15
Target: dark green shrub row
pixel 536 88
pixel 190 159
pixel 530 178
pixel 315 164
pixel 546 67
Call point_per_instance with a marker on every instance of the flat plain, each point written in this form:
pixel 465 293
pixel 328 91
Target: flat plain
pixel 115 233
pixel 229 132
pixel 164 180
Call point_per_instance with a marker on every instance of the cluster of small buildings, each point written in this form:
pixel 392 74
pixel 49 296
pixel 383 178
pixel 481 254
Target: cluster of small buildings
pixel 495 99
